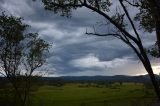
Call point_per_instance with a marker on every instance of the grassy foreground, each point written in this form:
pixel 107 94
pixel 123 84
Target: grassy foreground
pixel 127 94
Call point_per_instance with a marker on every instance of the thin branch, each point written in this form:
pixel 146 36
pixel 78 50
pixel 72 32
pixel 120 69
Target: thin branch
pixel 113 22
pixel 125 40
pixel 3 74
pixel 130 20
pixel 132 4
pixel 109 34
pixel 143 58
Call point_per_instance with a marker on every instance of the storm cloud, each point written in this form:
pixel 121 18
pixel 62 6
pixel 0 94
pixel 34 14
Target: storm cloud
pixel 73 52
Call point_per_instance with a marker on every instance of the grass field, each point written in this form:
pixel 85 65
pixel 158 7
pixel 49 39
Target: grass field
pixel 127 94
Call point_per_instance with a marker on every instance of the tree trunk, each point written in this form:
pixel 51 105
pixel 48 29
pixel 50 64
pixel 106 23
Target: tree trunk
pixel 155 6
pixel 158 36
pixel 156 11
pixel 154 81
pixel 148 67
pixel 155 84
pixel 158 27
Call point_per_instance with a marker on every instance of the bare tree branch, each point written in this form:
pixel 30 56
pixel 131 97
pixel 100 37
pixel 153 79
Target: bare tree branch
pixel 109 34
pixel 3 74
pixel 113 22
pixel 130 20
pixel 132 4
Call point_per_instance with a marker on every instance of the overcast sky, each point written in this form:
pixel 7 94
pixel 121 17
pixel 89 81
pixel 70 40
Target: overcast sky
pixel 74 53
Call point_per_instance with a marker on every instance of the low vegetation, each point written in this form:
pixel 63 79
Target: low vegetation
pixel 91 94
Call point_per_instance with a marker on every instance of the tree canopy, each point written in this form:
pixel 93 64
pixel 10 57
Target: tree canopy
pixel 21 53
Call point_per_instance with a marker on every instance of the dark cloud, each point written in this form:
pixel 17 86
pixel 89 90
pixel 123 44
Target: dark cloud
pixel 71 47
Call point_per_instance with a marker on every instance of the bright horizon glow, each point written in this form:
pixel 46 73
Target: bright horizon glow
pixel 156 69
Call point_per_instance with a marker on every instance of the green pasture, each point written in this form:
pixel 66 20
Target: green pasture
pixel 127 94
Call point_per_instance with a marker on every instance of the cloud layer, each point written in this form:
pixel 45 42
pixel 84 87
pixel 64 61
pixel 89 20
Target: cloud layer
pixel 73 52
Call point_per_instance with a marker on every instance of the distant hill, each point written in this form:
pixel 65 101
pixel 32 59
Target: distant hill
pixel 116 78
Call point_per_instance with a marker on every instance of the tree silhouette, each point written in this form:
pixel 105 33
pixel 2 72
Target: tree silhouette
pixel 21 53
pixel 120 20
pixel 149 18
